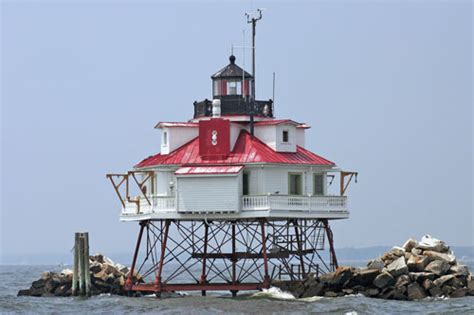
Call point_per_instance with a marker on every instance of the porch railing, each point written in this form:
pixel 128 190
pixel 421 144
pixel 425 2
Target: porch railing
pixel 249 203
pixel 296 203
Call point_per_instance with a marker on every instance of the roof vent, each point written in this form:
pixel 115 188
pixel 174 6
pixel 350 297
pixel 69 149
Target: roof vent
pixel 216 108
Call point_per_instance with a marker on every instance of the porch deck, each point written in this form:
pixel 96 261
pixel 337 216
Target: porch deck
pixel 251 206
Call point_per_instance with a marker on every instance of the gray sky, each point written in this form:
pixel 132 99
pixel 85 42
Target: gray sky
pixel 386 86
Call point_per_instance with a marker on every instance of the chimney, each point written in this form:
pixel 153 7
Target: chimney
pixel 216 108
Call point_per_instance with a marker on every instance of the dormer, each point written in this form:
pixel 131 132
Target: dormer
pixel 281 135
pixel 175 134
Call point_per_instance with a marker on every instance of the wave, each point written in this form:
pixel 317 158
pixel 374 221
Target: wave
pixel 274 293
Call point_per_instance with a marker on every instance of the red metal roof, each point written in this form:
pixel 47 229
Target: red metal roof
pixel 202 170
pixel 247 149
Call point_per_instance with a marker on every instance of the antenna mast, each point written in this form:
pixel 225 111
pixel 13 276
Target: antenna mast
pixel 251 18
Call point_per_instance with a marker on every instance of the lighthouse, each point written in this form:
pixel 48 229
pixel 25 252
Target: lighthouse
pixel 233 199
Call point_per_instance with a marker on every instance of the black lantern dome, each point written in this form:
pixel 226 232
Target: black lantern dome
pixel 232 85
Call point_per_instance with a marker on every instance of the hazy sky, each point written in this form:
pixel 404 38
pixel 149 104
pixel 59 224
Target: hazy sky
pixel 387 87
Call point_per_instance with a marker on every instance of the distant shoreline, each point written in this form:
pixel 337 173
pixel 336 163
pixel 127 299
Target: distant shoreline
pixel 344 255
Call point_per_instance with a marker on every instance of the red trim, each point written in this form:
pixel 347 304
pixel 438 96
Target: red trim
pixel 223 84
pixel 246 88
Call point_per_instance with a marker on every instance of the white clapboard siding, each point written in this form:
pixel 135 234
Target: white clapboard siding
pixel 209 194
pixel 276 180
pixel 163 179
pixel 300 137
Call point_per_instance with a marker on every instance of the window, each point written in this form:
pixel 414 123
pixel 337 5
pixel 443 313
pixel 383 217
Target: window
pixel 165 138
pixel 234 88
pixel 246 184
pixel 318 184
pixel 285 136
pixel 215 88
pixel 295 183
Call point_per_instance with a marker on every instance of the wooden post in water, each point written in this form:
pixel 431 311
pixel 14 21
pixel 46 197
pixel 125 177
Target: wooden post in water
pixel 75 275
pixel 81 277
pixel 87 273
pixel 82 289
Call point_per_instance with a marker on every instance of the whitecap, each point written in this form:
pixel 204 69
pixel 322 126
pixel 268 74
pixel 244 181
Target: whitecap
pixel 312 299
pixel 274 293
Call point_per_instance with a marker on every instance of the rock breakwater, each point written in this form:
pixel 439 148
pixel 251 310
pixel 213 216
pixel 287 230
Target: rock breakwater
pixel 413 271
pixel 106 277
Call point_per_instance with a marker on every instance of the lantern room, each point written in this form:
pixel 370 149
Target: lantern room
pixel 231 81
pixel 232 85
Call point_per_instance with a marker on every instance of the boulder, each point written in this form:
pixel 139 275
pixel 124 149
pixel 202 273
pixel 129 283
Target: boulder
pixel 95 267
pixel 122 269
pixel 410 244
pixel 402 280
pixel 430 243
pixel 314 290
pixel 46 275
pixel 398 251
pixel 421 276
pixel 97 257
pixel 400 294
pixel 383 280
pixel 51 284
pixel 372 292
pixel 442 280
pixel 310 281
pixel 436 291
pixel 398 267
pixel 449 258
pixel 447 290
pixel 427 284
pixel 438 267
pixel 348 291
pixel 102 275
pixel 364 276
pixel 337 279
pixel 417 263
pixel 459 270
pixel 392 255
pixel 298 289
pixel 458 282
pixel 416 251
pixel 327 277
pixel 330 294
pixel 376 264
pixel 461 292
pixel 38 284
pixel 341 276
pixel 415 292
pixel 63 290
pixel 24 293
pixel 110 269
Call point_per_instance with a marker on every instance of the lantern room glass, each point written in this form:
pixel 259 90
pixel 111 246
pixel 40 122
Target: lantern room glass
pixel 230 87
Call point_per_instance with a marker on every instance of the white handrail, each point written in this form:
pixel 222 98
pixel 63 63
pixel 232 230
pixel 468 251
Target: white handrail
pixel 249 203
pixel 296 203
